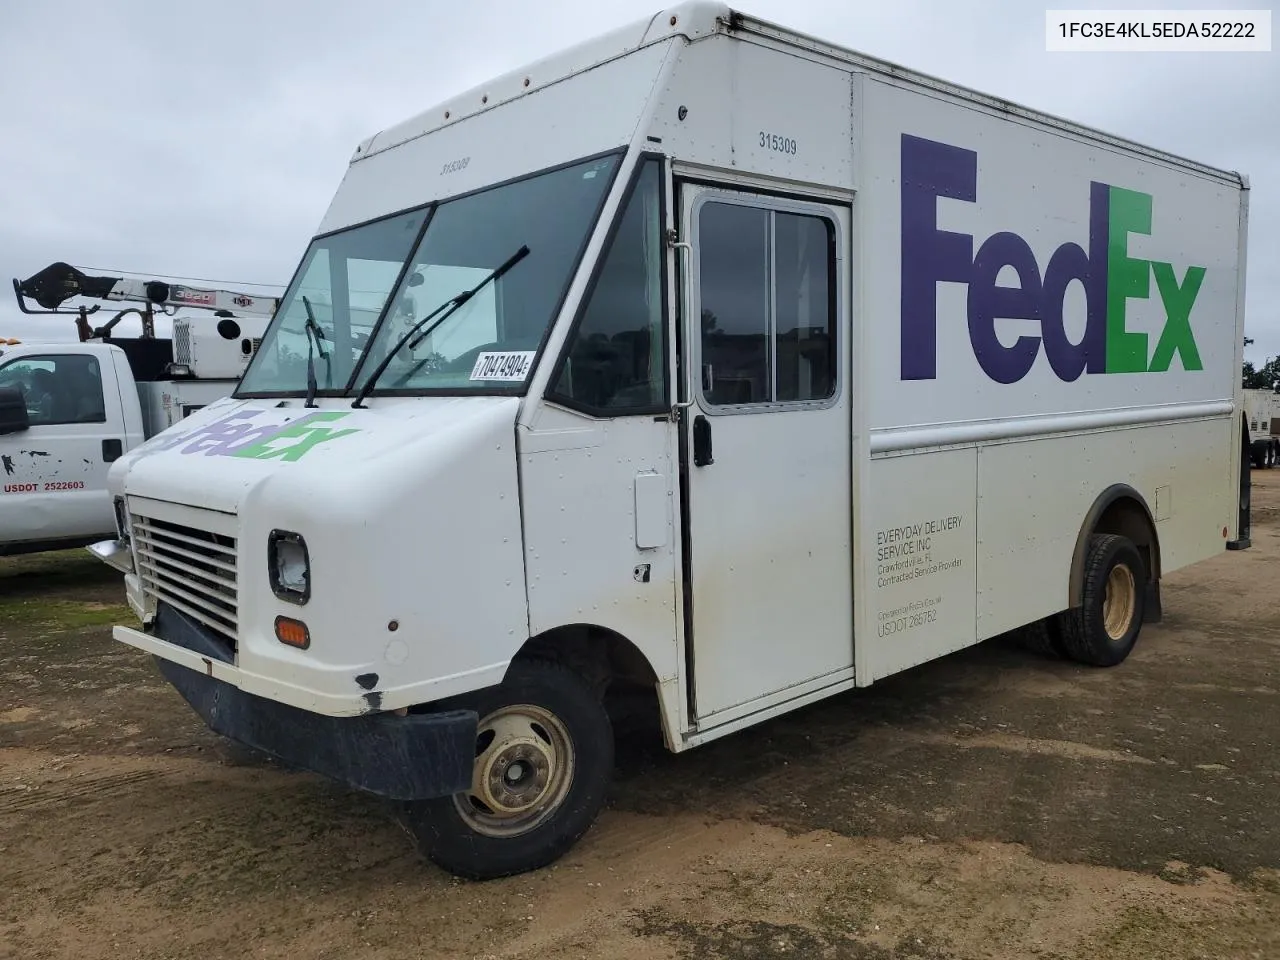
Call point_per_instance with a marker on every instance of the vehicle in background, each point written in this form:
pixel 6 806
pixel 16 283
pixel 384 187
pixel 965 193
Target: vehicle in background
pixel 1262 411
pixel 69 409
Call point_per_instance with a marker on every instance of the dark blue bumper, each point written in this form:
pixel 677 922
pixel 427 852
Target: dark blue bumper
pixel 414 757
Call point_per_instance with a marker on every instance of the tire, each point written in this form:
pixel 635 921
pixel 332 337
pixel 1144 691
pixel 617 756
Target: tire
pixel 557 732
pixel 1041 638
pixel 1103 630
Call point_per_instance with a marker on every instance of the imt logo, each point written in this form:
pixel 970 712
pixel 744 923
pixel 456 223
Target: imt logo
pixel 1109 275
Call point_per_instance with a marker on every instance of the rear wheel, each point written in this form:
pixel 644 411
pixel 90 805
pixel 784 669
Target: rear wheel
pixel 1102 631
pixel 1040 637
pixel 543 761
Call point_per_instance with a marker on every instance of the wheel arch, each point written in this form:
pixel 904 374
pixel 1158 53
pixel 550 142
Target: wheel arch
pixel 613 664
pixel 1119 509
pixel 600 652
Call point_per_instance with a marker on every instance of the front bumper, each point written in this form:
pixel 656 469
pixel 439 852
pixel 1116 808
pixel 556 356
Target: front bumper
pixel 115 553
pixel 414 757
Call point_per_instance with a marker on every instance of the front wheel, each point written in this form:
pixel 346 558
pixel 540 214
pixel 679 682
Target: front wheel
pixel 1102 631
pixel 544 759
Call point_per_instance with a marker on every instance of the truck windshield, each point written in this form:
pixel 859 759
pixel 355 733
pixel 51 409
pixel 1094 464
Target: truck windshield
pixel 350 277
pixel 347 277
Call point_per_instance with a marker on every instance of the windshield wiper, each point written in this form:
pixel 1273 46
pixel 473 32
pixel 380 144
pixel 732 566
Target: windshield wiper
pixel 314 336
pixel 449 306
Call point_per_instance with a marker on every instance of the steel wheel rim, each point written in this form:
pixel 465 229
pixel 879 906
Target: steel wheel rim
pixel 1119 602
pixel 523 769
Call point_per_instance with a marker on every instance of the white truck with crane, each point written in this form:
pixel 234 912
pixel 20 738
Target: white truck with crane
pixel 691 375
pixel 69 409
pixel 1262 409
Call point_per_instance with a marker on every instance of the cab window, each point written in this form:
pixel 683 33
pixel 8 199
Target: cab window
pixel 615 362
pixel 58 388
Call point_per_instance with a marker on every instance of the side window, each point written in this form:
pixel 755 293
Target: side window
pixel 58 388
pixel 766 282
pixel 616 360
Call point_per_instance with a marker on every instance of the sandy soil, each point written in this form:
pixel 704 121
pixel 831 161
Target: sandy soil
pixel 989 805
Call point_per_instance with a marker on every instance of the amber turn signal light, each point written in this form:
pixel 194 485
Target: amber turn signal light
pixel 293 633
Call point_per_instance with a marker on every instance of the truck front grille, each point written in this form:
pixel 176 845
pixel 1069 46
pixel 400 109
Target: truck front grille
pixel 192 570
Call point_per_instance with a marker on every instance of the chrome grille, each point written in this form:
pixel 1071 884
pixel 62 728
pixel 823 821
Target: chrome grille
pixel 192 570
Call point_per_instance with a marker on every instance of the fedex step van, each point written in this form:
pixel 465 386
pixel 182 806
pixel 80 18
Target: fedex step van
pixel 712 361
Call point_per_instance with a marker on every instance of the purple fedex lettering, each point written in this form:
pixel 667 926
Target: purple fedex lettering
pixel 217 428
pixel 223 436
pixel 931 170
pixel 236 433
pixel 219 435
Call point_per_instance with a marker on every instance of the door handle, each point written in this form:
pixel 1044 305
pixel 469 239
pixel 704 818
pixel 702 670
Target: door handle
pixel 702 441
pixel 111 449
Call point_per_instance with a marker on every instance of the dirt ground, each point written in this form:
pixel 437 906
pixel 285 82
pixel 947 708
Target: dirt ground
pixel 989 805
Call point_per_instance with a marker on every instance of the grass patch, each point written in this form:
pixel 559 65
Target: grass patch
pixel 52 563
pixel 61 569
pixel 1154 931
pixel 67 614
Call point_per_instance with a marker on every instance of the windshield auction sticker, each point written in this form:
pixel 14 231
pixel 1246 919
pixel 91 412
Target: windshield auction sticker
pixel 508 365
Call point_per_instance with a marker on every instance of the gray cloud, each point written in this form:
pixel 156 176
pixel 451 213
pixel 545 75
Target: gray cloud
pixel 205 139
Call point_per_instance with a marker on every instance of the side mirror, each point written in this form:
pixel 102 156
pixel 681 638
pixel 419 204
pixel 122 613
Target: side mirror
pixel 13 411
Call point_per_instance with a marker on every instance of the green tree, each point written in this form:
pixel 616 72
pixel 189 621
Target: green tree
pixel 1262 378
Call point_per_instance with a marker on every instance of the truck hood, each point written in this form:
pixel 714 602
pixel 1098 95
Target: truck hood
pixel 218 456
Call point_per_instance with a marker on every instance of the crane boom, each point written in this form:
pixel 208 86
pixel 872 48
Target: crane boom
pixel 59 282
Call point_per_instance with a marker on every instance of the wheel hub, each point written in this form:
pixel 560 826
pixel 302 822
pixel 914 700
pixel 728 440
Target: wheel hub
pixel 512 779
pixel 523 769
pixel 1120 601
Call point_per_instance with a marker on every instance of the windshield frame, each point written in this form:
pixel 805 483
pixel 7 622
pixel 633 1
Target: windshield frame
pixel 519 389
pixel 290 295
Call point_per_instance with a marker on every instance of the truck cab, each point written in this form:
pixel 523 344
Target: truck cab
pixel 67 412
pixel 1262 415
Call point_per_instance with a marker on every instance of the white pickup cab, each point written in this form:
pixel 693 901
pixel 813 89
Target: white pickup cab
pixel 68 410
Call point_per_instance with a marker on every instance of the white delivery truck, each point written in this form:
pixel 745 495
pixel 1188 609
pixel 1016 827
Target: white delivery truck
pixel 68 410
pixel 713 361
pixel 1262 410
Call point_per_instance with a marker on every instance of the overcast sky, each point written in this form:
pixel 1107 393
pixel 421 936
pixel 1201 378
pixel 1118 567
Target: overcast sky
pixel 204 139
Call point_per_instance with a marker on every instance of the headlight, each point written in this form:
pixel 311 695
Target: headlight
pixel 122 520
pixel 289 566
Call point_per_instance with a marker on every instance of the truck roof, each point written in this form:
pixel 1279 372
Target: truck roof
pixel 696 19
pixel 52 344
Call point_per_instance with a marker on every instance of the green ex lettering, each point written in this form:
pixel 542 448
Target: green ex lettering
pixel 1130 278
pixel 310 436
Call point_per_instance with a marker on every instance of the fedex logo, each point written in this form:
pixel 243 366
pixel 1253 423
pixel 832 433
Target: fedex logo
pixel 238 436
pixel 1110 278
